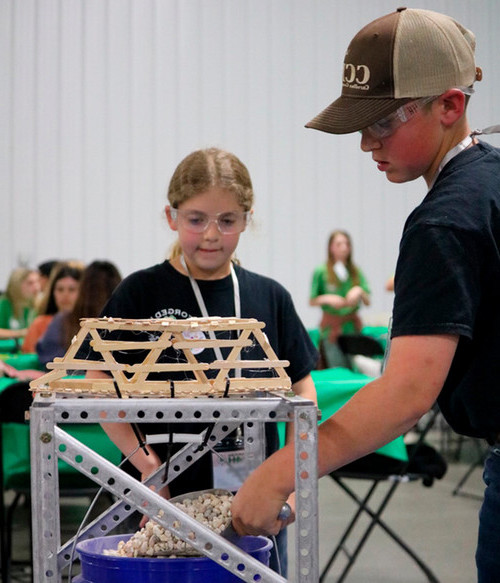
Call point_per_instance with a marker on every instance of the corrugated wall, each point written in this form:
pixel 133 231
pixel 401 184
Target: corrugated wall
pixel 102 98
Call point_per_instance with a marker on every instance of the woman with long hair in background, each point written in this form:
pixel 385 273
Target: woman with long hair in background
pixel 60 295
pixel 98 281
pixel 339 288
pixel 17 304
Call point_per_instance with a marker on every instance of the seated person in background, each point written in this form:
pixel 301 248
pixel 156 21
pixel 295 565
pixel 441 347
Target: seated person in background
pixel 98 281
pixel 59 296
pixel 45 272
pixel 339 288
pixel 17 309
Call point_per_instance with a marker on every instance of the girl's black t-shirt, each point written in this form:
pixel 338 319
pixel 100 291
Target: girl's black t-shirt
pixel 161 291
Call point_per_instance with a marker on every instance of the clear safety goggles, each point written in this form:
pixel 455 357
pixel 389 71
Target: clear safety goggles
pixel 228 223
pixel 385 127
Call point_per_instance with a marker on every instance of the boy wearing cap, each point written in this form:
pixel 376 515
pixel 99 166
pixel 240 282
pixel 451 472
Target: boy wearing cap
pixel 406 81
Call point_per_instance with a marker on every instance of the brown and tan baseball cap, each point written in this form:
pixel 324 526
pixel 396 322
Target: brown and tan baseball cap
pixel 399 57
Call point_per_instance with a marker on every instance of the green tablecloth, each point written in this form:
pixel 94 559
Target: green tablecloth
pixel 16 445
pixel 16 439
pixel 22 361
pixel 335 386
pixel 5 382
pixel 10 344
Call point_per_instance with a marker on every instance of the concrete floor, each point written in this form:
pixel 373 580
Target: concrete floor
pixel 439 526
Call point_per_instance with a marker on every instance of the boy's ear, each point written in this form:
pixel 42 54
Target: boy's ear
pixel 453 104
pixel 171 223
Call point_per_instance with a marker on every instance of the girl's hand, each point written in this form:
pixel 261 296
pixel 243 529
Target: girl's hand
pixel 336 301
pixel 354 296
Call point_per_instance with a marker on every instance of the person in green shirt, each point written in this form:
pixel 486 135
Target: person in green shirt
pixel 17 303
pixel 339 288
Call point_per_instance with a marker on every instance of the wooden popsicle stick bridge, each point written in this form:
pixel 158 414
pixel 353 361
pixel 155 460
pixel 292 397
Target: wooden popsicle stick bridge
pixel 188 337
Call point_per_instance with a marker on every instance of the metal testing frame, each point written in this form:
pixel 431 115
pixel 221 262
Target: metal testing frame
pixel 49 442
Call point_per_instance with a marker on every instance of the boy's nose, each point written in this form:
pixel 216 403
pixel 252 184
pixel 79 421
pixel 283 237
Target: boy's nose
pixel 368 142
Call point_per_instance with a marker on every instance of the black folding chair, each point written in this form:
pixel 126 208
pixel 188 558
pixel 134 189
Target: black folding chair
pixel 453 446
pixel 424 464
pixel 481 452
pixel 351 344
pixel 363 353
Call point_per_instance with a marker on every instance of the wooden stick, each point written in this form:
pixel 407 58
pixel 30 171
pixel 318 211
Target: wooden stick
pixel 171 336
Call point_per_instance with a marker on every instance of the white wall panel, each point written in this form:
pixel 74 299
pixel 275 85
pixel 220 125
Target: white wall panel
pixel 118 104
pixel 23 120
pixel 6 131
pixel 73 196
pixel 102 98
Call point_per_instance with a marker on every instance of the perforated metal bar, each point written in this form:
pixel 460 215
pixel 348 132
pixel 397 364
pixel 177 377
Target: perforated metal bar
pixel 164 513
pixel 121 509
pixel 45 496
pixel 48 412
pixel 306 498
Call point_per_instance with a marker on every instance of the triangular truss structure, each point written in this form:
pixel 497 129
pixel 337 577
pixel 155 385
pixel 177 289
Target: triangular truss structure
pixel 188 337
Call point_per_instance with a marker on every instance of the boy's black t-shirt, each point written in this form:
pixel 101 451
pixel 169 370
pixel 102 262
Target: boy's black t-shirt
pixel 161 291
pixel 448 282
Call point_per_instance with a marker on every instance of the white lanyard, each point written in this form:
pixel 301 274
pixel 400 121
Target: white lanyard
pixel 463 145
pixel 203 307
pixel 489 130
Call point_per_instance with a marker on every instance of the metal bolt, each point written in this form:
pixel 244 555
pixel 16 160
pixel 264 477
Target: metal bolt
pixel 46 437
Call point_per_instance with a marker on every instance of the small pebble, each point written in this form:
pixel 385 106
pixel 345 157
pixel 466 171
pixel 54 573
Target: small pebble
pixel 153 540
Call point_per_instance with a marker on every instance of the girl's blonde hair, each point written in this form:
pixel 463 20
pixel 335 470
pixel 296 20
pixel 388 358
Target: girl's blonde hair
pixel 350 265
pixel 14 291
pixel 205 169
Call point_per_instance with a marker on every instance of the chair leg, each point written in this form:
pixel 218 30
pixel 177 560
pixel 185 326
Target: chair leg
pixel 343 539
pixel 9 524
pixel 4 558
pixel 479 462
pixel 375 516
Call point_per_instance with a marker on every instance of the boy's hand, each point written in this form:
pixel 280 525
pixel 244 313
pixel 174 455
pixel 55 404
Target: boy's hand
pixel 258 503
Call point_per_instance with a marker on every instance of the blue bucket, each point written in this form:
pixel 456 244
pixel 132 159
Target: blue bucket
pixel 99 568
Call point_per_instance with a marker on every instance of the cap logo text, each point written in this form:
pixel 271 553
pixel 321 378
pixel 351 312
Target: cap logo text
pixel 358 74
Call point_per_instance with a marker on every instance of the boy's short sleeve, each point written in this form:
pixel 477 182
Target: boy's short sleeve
pixel 437 282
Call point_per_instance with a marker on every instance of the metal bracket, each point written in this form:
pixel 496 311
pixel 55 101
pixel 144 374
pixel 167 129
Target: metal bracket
pixel 49 442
